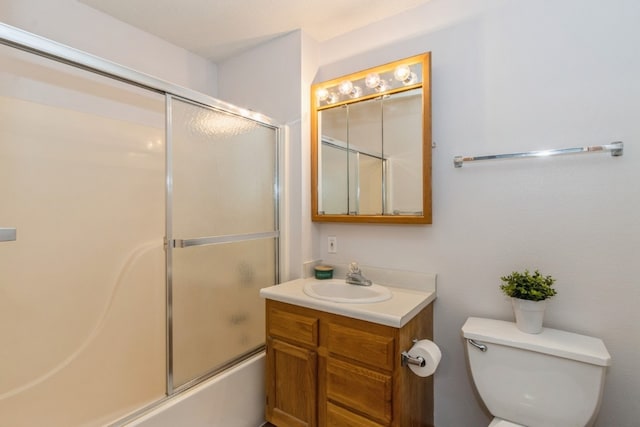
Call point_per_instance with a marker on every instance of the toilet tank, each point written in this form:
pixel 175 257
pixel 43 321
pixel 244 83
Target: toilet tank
pixel 551 379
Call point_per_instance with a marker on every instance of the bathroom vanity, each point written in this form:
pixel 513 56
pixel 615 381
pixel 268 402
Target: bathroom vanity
pixel 339 364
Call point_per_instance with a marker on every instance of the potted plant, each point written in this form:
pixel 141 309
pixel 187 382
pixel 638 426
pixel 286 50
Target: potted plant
pixel 528 293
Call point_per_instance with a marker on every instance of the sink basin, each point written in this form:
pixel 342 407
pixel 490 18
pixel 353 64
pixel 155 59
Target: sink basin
pixel 340 291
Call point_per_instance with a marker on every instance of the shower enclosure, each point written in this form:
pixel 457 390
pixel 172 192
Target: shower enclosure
pixel 138 222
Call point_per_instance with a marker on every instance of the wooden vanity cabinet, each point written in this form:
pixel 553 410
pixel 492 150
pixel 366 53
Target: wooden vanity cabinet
pixel 329 370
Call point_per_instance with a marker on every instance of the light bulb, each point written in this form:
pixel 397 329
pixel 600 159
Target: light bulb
pixel 413 78
pixel 322 94
pixel 372 80
pixel 356 92
pixel 402 73
pixel 345 87
pixel 333 98
pixel 382 86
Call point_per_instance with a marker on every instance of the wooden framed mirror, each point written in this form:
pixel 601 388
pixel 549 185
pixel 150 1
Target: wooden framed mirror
pixel 371 145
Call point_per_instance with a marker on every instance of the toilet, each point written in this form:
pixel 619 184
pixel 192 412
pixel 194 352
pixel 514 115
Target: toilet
pixel 551 379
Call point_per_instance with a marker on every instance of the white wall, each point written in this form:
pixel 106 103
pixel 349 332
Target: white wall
pixel 514 76
pixel 79 26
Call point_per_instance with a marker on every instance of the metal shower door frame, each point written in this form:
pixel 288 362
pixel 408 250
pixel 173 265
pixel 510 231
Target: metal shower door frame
pixel 40 46
pixel 172 243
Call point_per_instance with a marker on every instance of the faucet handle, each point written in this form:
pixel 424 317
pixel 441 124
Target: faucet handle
pixel 354 268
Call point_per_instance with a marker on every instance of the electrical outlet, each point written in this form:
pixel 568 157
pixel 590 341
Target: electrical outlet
pixel 332 244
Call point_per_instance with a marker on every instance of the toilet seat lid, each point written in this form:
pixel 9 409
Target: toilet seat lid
pixel 499 422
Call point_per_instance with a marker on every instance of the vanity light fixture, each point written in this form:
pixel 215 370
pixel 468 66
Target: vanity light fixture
pixel 371 84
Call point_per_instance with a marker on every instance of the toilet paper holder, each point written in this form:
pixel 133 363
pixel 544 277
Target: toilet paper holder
pixel 407 359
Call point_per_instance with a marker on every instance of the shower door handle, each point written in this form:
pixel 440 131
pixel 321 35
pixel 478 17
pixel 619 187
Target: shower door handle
pixel 7 234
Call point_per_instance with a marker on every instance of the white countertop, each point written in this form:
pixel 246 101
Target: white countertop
pixel 396 312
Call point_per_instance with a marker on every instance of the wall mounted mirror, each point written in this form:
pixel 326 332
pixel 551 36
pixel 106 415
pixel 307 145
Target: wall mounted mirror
pixel 371 145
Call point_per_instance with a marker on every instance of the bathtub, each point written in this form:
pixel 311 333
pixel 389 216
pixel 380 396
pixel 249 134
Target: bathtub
pixel 234 398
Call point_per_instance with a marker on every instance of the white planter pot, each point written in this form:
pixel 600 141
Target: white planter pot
pixel 529 315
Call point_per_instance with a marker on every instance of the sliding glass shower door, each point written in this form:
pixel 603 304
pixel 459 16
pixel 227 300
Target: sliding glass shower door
pixel 132 222
pixel 223 236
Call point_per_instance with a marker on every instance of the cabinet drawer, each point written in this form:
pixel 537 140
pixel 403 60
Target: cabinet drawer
pixel 372 349
pixel 340 417
pixel 362 389
pixel 293 327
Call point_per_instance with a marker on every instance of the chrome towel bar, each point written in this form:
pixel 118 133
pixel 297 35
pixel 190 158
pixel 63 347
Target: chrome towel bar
pixel 616 149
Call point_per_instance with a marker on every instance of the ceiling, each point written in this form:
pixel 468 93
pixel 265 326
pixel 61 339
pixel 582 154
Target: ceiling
pixel 219 29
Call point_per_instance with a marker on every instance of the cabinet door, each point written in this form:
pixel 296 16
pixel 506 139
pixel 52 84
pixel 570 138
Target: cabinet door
pixel 291 385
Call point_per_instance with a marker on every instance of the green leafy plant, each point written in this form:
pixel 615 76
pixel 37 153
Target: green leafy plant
pixel 532 287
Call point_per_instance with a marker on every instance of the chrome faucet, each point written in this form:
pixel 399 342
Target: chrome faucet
pixel 355 277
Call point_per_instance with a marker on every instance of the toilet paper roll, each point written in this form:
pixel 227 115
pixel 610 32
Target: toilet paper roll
pixel 431 354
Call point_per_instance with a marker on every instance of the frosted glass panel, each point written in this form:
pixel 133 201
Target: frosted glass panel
pixel 217 310
pixel 223 173
pixel 224 181
pixel 82 303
